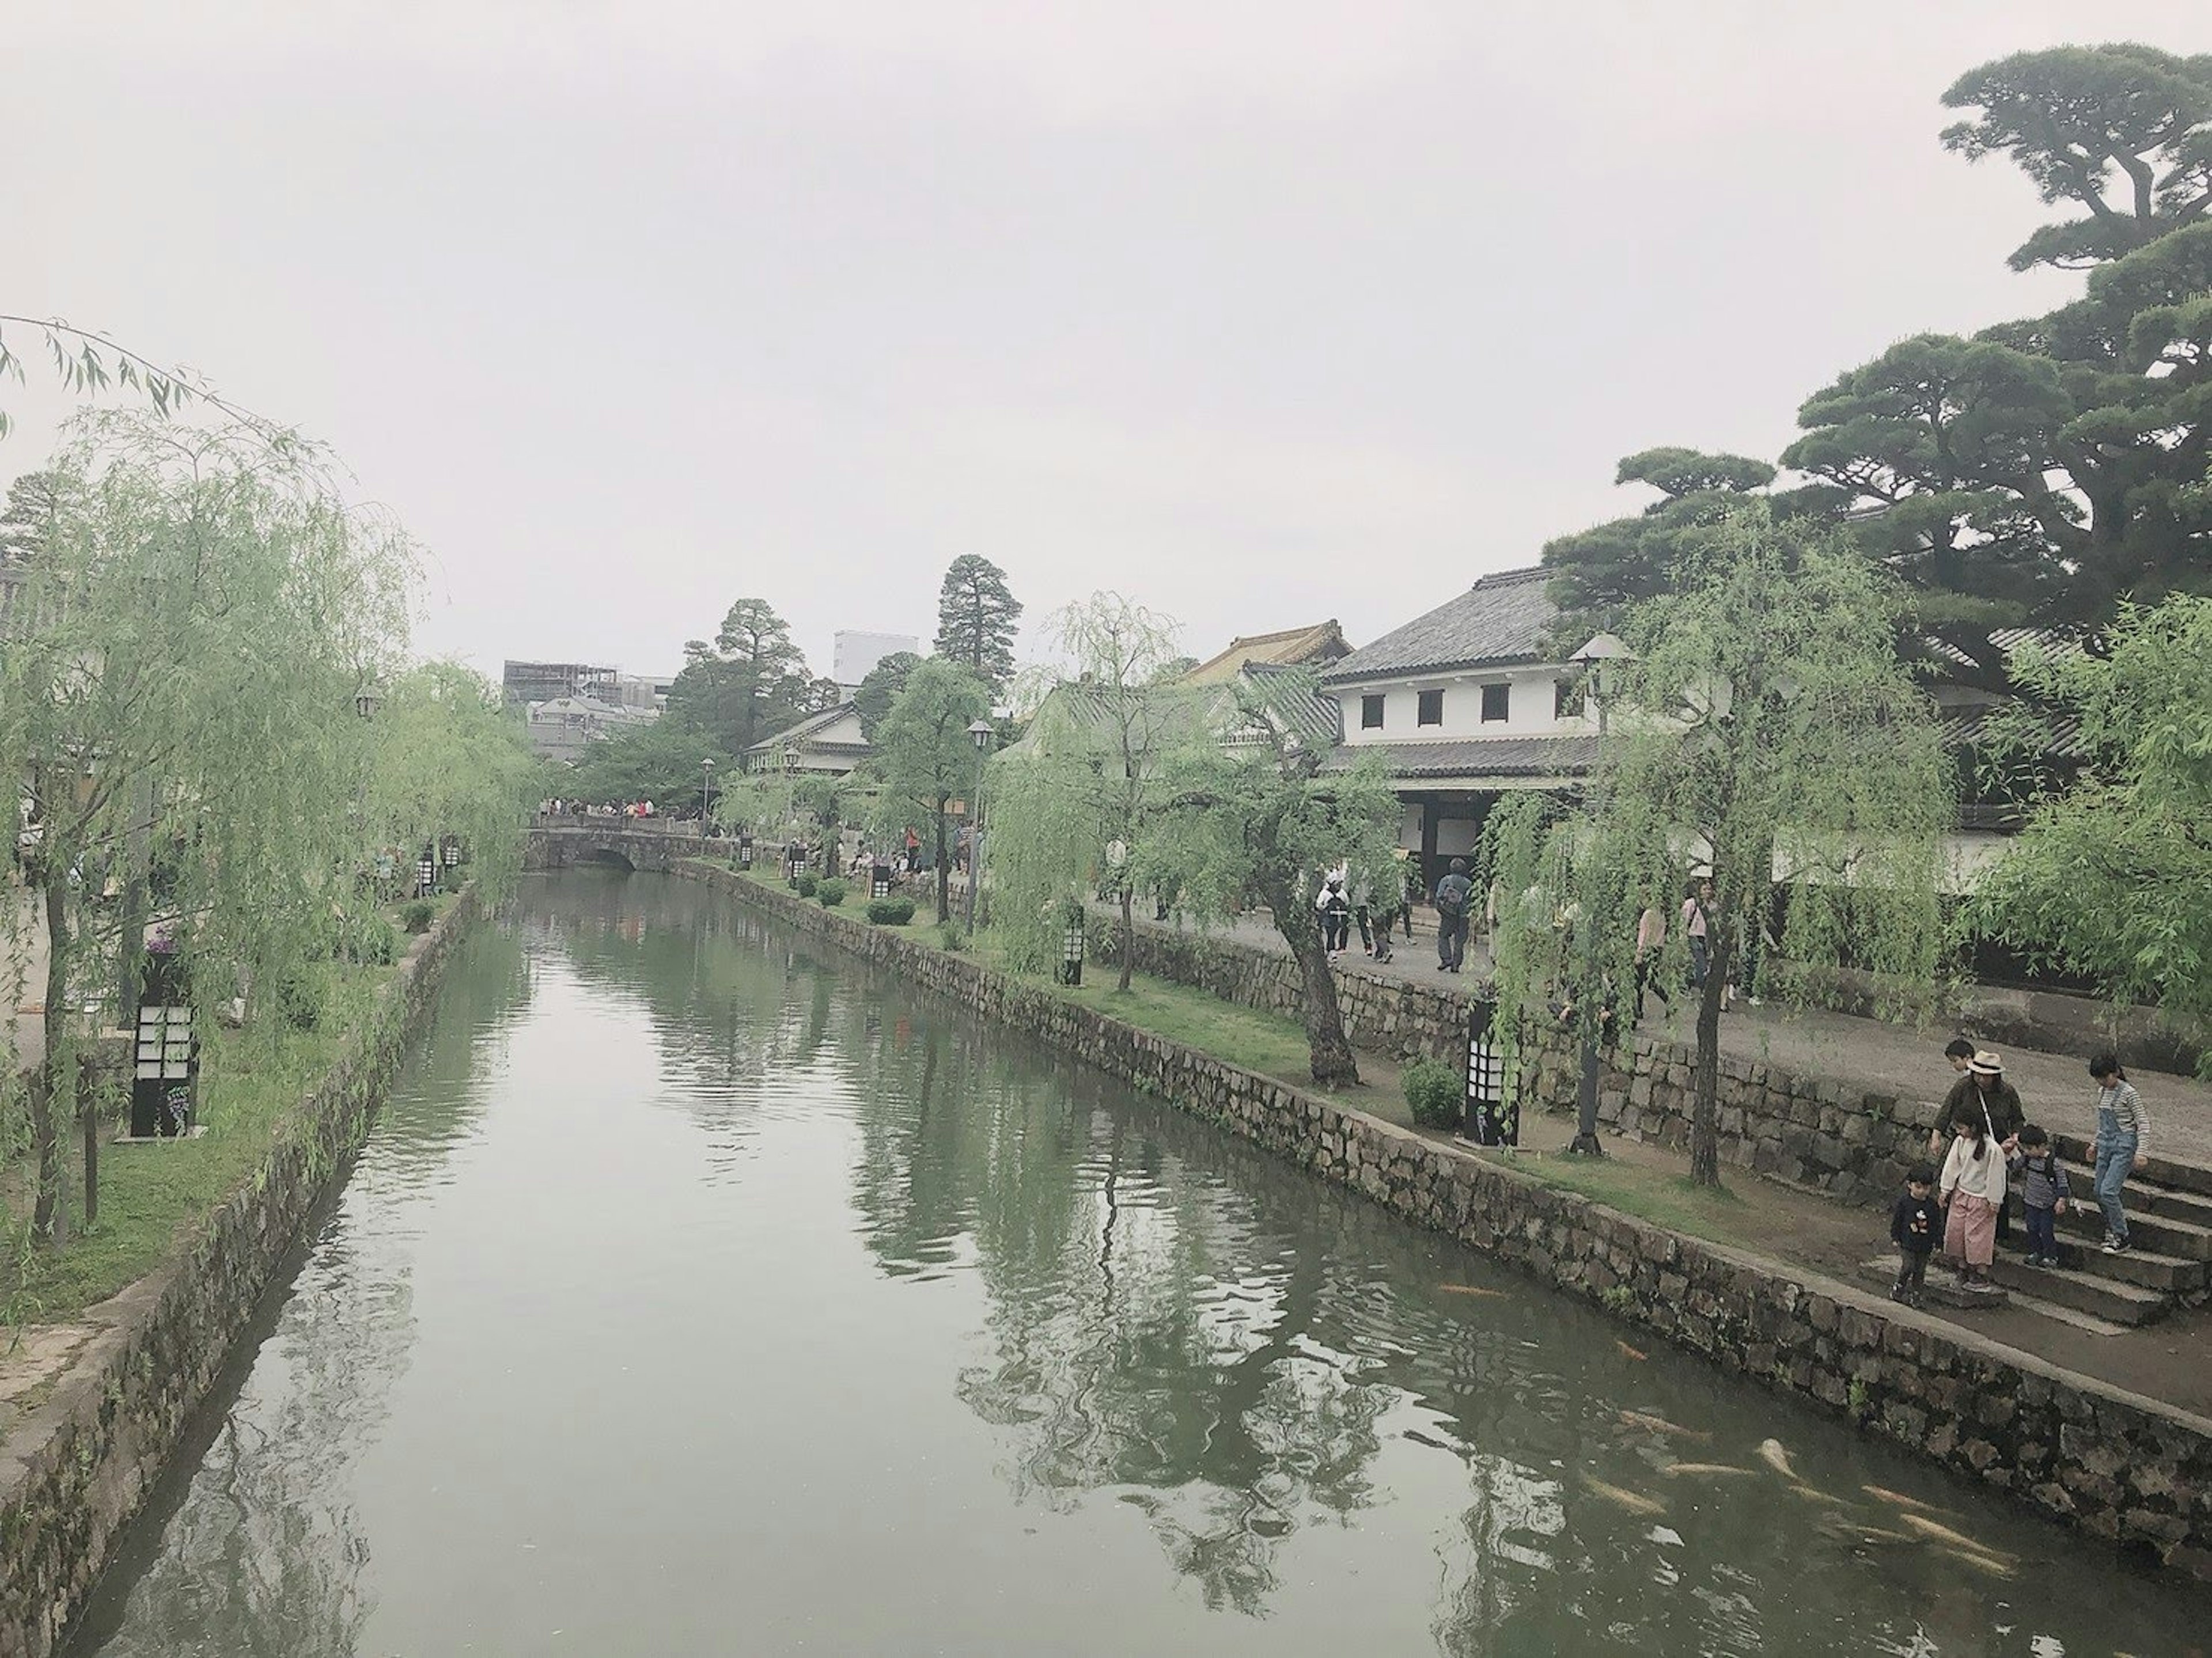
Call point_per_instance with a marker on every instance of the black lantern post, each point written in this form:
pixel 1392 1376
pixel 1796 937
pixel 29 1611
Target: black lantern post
pixel 165 1061
pixel 879 879
pixel 1490 1118
pixel 745 848
pixel 1071 945
pixel 426 870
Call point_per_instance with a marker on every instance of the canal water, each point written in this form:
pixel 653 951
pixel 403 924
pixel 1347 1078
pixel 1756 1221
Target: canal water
pixel 698 1294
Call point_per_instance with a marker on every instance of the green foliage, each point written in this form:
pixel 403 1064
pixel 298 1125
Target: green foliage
pixel 830 894
pixel 872 698
pixel 416 914
pixel 449 758
pixel 299 995
pixel 662 761
pixel 1768 730
pixel 891 912
pixel 1254 814
pixel 807 886
pixel 88 364
pixel 925 758
pixel 751 680
pixel 1096 768
pixel 365 939
pixel 2118 129
pixel 977 614
pixel 2108 878
pixel 1435 1094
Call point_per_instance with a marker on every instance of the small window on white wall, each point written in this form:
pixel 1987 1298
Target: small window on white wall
pixel 1497 702
pixel 1431 709
pixel 1370 714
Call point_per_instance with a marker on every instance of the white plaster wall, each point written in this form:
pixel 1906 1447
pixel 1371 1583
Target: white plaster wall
pixel 1529 711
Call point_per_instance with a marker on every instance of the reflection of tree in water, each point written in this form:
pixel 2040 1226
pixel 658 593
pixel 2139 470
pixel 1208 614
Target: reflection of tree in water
pixel 261 1551
pixel 1152 1332
pixel 729 1007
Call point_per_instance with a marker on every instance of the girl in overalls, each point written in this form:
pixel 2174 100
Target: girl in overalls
pixel 2123 1138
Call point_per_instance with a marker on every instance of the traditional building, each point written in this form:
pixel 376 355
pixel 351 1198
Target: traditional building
pixel 1314 646
pixel 1465 704
pixel 826 745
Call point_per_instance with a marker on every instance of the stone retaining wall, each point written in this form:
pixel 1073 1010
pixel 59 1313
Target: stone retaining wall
pixel 1829 1135
pixel 2121 1467
pixel 78 1468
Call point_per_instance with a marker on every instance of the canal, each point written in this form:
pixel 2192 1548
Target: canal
pixel 699 1294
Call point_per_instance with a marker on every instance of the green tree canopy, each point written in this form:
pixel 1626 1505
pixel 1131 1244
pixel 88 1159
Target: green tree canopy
pixel 976 613
pixel 1766 728
pixel 2123 131
pixel 2110 876
pixel 1254 813
pixel 660 760
pixel 876 693
pixel 925 758
pixel 448 757
pixel 1094 769
pixel 751 680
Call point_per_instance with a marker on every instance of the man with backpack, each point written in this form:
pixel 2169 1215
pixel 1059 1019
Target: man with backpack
pixel 1454 894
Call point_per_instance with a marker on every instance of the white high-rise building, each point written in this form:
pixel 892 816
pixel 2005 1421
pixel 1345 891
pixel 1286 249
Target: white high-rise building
pixel 855 653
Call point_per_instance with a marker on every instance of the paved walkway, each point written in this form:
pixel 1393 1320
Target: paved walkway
pixel 1897 1059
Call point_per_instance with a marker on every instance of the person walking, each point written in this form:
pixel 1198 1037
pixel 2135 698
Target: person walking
pixel 2121 1147
pixel 1452 897
pixel 1973 1188
pixel 1335 915
pixel 1696 926
pixel 1983 1097
pixel 1363 912
pixel 1388 900
pixel 1915 1225
pixel 2042 1181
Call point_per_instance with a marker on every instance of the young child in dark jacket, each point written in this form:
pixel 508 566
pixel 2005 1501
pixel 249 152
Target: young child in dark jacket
pixel 1916 1227
pixel 2042 1193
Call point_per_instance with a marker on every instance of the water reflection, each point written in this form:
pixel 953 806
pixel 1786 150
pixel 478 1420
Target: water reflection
pixel 701 1295
pixel 262 1550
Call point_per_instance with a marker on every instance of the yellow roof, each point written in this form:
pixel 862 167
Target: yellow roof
pixel 1316 646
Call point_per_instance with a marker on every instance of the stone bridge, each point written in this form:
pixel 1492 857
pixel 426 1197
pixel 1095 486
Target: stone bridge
pixel 561 840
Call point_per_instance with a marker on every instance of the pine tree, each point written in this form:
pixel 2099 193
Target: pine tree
pixel 975 618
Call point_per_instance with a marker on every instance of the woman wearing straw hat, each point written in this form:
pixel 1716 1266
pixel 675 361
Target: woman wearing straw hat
pixel 1983 1097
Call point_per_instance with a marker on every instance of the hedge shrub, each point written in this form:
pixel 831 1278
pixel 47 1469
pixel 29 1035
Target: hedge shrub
pixel 830 894
pixel 1435 1093
pixel 891 912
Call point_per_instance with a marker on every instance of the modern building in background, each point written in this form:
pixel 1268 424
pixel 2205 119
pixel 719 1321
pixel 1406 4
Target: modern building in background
pixel 569 706
pixel 853 654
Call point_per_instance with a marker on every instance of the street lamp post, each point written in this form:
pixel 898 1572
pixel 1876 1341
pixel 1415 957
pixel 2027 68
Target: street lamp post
pixel 980 734
pixel 706 796
pixel 1602 661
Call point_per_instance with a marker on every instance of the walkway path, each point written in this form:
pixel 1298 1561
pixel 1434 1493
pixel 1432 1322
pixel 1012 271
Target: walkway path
pixel 1895 1060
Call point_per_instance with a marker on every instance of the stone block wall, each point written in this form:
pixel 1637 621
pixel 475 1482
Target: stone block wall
pixel 2121 1468
pixel 1826 1133
pixel 79 1466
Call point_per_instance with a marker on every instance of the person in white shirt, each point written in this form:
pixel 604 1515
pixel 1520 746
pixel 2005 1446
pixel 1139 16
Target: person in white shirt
pixel 1973 1184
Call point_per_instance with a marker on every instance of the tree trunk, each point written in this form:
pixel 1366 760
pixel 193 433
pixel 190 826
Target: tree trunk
pixel 1704 1108
pixel 1128 929
pixel 944 870
pixel 1333 1066
pixel 47 1092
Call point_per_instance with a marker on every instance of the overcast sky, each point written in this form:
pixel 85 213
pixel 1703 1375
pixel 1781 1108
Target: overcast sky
pixel 1262 313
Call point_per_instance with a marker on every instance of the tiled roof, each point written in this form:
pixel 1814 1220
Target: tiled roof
pixel 1501 619
pixel 798 733
pixel 1477 757
pixel 1308 710
pixel 1314 646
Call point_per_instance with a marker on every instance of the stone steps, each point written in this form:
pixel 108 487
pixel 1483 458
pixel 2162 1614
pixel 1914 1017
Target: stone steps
pixel 2113 1300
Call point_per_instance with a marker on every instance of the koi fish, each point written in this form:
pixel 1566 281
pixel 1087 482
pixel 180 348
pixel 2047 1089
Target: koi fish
pixel 1814 1493
pixel 1988 1565
pixel 1716 1469
pixel 1630 1353
pixel 1770 1453
pixel 1660 1424
pixel 1634 1502
pixel 1471 1290
pixel 1899 1500
pixel 1959 1541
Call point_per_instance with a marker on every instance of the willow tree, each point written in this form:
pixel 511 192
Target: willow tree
pixel 1765 730
pixel 1091 775
pixel 450 758
pixel 178 675
pixel 925 758
pixel 1260 811
pixel 2110 876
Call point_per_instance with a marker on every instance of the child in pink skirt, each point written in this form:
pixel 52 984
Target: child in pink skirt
pixel 1973 1184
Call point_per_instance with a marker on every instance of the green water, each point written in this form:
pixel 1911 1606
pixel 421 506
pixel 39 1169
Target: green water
pixel 700 1295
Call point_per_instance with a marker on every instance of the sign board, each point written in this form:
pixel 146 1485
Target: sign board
pixel 1491 1118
